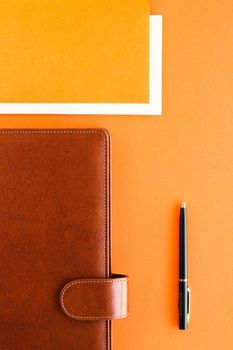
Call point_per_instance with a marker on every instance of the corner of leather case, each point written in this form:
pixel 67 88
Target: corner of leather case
pixel 95 299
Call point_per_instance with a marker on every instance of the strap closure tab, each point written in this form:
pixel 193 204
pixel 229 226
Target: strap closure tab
pixel 96 299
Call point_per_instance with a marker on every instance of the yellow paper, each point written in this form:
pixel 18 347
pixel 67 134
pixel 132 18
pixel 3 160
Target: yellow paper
pixel 87 51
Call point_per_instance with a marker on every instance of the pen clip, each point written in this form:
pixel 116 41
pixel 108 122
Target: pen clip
pixel 188 302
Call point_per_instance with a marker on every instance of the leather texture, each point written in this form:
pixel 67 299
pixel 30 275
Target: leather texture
pixel 55 228
pixel 96 299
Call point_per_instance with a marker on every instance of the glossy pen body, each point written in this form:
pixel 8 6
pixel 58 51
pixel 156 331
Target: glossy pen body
pixel 183 271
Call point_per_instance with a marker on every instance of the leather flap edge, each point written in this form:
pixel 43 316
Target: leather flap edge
pixel 95 299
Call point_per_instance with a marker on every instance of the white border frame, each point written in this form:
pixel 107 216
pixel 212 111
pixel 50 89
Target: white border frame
pixel 154 107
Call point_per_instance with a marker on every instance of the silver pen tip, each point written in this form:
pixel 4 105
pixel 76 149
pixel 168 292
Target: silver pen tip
pixel 183 205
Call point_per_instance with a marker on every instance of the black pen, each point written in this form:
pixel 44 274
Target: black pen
pixel 184 291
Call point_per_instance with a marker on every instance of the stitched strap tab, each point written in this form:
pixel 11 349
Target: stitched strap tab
pixel 96 299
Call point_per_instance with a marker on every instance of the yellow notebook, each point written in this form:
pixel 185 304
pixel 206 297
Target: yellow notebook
pixel 70 51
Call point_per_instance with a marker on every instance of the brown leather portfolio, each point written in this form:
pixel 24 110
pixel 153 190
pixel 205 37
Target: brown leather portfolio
pixel 57 291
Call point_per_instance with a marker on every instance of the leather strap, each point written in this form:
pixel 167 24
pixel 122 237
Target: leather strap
pixel 96 299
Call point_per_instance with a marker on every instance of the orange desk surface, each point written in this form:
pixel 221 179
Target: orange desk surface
pixel 160 161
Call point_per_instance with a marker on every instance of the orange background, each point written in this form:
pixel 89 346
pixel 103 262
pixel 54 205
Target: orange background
pixel 160 161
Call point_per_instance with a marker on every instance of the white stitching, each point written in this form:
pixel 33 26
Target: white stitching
pixel 51 131
pixel 105 230
pixel 96 281
pixel 105 216
pixel 64 131
pixel 124 280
